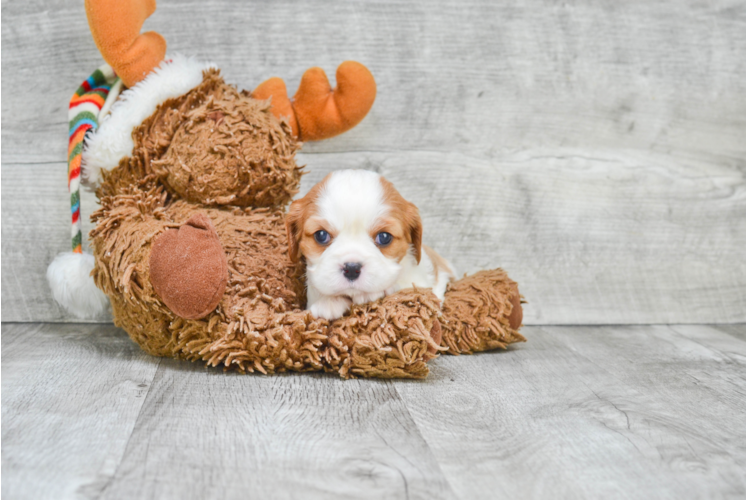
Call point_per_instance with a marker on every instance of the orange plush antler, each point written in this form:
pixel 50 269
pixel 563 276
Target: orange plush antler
pixel 115 26
pixel 317 110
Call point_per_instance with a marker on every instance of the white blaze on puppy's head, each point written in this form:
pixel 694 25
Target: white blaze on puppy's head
pixel 356 232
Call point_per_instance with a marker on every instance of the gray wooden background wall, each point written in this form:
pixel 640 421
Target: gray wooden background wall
pixel 594 149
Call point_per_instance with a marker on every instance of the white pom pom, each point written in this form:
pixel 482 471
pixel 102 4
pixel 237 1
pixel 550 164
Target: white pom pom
pixel 73 287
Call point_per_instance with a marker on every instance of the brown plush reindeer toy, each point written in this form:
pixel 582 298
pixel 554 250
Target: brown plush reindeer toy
pixel 190 247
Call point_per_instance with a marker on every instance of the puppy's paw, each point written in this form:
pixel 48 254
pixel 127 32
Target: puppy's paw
pixel 363 298
pixel 330 308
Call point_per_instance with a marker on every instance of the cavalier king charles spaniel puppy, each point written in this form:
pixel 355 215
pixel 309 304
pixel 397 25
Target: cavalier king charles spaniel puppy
pixel 361 240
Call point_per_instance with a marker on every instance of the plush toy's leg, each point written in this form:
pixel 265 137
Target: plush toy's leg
pixel 250 330
pixel 115 27
pixel 317 110
pixel 481 312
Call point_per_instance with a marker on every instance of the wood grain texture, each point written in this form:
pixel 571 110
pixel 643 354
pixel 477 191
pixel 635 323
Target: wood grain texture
pixel 206 434
pixel 577 412
pixel 33 233
pixel 71 395
pixel 566 229
pixel 592 412
pixel 721 347
pixel 596 150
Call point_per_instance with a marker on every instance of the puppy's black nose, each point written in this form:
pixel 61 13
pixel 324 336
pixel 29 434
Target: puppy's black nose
pixel 352 270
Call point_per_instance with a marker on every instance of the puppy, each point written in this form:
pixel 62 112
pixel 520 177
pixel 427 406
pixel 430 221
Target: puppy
pixel 361 241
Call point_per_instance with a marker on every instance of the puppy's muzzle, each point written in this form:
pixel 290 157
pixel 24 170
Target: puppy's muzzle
pixel 352 270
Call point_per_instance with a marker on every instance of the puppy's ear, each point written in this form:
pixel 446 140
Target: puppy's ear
pixel 415 228
pixel 299 211
pixel 294 228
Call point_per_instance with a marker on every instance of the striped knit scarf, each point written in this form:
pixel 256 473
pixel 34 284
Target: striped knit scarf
pixel 85 108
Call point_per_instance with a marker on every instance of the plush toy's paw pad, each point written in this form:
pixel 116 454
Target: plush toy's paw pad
pixel 515 317
pixel 436 336
pixel 188 268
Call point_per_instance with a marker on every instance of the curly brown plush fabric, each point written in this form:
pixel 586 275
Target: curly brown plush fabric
pixel 477 313
pixel 259 324
pixel 218 158
pixel 218 147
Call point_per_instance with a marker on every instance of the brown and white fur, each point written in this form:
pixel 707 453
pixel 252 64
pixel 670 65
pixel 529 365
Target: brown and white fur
pixel 353 266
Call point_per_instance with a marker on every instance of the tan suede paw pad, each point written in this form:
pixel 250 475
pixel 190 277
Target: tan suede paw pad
pixel 188 268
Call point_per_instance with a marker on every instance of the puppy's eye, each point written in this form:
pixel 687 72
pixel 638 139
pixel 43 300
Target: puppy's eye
pixel 383 239
pixel 322 237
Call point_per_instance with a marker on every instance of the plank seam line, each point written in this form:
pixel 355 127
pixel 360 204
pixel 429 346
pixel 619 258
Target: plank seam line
pixel 710 348
pixel 418 427
pixel 511 157
pixel 132 431
pixel 50 162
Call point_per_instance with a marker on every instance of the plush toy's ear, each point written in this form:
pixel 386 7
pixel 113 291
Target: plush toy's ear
pixel 115 27
pixel 294 228
pixel 318 111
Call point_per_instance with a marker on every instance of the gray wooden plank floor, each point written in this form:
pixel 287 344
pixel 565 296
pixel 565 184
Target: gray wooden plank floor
pixel 577 412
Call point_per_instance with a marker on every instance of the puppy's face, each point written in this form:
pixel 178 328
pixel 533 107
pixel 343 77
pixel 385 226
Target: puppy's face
pixel 355 232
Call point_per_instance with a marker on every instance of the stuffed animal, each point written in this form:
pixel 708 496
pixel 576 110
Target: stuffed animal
pixel 190 247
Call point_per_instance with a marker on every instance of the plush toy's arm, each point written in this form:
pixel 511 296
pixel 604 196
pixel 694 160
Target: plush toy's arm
pixel 481 312
pixel 317 110
pixel 392 337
